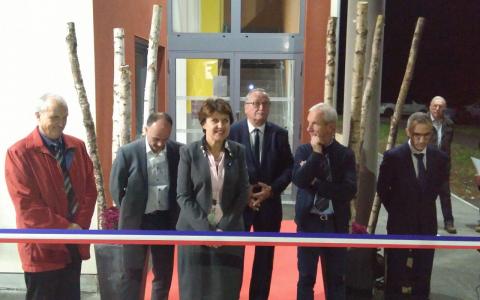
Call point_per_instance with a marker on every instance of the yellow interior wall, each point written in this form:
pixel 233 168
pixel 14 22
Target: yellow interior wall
pixel 200 72
pixel 211 15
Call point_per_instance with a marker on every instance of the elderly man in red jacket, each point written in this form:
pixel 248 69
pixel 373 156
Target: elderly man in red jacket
pixel 50 179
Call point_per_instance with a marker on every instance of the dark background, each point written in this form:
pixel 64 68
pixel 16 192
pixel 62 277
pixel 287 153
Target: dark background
pixel 448 62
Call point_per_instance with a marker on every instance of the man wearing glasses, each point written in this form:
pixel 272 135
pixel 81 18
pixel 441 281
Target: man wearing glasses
pixel 411 176
pixel 269 160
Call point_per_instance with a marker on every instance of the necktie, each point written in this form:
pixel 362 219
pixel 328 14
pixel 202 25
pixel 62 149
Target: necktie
pixel 322 203
pixel 256 146
pixel 422 173
pixel 67 184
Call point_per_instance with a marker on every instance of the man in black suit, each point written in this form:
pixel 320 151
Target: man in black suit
pixel 324 172
pixel 269 161
pixel 442 139
pixel 143 184
pixel 409 181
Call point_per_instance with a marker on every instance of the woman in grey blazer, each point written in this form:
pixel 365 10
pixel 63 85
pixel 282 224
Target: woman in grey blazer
pixel 212 192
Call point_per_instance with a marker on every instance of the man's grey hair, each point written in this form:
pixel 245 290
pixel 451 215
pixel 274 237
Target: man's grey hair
pixel 438 98
pixel 328 112
pixel 258 90
pixel 418 118
pixel 41 104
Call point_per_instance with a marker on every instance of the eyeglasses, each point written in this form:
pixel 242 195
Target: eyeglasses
pixel 419 136
pixel 258 104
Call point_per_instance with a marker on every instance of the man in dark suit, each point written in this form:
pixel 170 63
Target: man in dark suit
pixel 409 181
pixel 269 161
pixel 324 172
pixel 442 139
pixel 143 184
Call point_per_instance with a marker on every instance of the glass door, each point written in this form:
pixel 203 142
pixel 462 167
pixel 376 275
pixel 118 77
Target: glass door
pixel 196 77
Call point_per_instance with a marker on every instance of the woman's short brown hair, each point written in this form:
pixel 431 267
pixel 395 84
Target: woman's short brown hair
pixel 211 106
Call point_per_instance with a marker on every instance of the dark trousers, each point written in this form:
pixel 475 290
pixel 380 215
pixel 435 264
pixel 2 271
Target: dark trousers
pixel 334 264
pixel 63 284
pixel 133 279
pixel 262 221
pixel 401 278
pixel 446 202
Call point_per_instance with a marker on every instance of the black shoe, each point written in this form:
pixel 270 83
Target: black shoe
pixel 450 228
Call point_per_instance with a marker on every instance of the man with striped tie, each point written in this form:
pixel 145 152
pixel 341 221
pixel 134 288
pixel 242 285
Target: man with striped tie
pixel 50 179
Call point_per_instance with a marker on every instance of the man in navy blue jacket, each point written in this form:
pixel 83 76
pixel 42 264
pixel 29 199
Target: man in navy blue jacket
pixel 324 172
pixel 411 176
pixel 269 160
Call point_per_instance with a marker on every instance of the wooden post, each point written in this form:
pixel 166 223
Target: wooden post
pixel 366 176
pixel 151 80
pixel 357 79
pixel 125 104
pixel 88 122
pixel 330 63
pixel 371 78
pixel 392 137
pixel 118 60
pixel 357 85
pixel 121 94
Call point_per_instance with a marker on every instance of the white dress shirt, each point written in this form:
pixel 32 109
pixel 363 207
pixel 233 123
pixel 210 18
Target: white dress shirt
pixel 158 180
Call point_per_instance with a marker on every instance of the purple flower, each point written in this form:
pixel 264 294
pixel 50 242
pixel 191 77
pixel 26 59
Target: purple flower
pixel 109 218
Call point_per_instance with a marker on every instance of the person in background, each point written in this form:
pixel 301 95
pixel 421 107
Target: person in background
pixel 324 172
pixel 477 182
pixel 410 179
pixel 212 192
pixel 442 139
pixel 269 161
pixel 143 184
pixel 50 179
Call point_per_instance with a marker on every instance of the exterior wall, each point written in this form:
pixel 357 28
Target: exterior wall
pixel 34 60
pixel 135 18
pixel 316 18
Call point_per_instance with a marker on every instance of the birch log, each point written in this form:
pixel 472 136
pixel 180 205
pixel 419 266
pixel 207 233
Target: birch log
pixel 371 78
pixel 151 79
pixel 357 76
pixel 118 61
pixel 121 94
pixel 392 136
pixel 366 172
pixel 88 122
pixel 330 63
pixel 357 84
pixel 125 104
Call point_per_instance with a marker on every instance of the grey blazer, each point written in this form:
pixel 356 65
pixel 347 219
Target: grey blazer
pixel 129 182
pixel 194 188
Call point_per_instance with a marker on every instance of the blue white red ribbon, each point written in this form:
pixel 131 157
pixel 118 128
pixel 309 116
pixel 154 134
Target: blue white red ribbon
pixel 154 237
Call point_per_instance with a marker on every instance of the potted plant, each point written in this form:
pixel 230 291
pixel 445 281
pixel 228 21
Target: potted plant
pixel 109 258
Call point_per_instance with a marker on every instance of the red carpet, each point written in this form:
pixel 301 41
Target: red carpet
pixel 284 278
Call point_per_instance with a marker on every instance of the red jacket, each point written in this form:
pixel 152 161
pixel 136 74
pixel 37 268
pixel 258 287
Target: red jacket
pixel 35 183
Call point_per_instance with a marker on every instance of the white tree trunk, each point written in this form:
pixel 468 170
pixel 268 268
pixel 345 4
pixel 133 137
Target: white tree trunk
pixel 151 80
pixel 118 61
pixel 392 137
pixel 357 86
pixel 125 105
pixel 358 74
pixel 366 177
pixel 88 122
pixel 330 63
pixel 371 79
